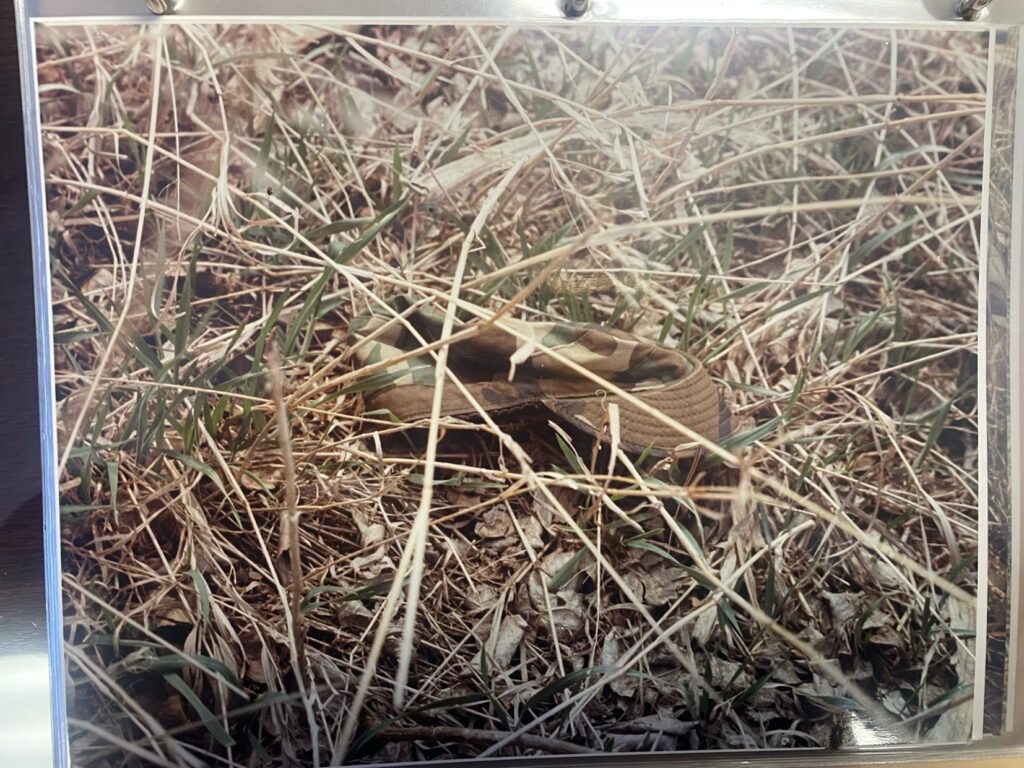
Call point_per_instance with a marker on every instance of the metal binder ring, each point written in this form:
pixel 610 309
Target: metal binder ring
pixel 970 10
pixel 162 7
pixel 575 8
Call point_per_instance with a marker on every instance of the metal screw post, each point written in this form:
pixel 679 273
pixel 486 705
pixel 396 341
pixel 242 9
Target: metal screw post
pixel 970 10
pixel 162 7
pixel 575 8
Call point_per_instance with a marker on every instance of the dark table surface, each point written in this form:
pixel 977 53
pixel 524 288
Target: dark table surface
pixel 25 729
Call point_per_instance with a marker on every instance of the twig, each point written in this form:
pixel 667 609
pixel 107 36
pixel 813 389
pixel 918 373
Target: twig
pixel 289 514
pixel 481 736
pixel 289 520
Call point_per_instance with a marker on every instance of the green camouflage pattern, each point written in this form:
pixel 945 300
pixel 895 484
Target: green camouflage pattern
pixel 504 374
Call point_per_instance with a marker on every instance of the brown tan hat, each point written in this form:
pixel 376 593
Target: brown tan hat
pixel 505 375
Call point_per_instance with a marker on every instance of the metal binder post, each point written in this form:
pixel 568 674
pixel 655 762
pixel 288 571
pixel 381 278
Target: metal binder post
pixel 162 7
pixel 971 10
pixel 575 8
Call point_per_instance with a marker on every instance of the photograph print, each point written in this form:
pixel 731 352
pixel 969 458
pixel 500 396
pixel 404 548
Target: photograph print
pixel 430 392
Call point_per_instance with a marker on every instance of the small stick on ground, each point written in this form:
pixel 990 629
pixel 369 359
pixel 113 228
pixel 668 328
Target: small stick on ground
pixel 289 514
pixel 479 736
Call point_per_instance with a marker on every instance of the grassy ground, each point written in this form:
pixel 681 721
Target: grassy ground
pixel 800 209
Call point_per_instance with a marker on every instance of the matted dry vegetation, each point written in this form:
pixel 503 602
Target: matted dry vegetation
pixel 798 208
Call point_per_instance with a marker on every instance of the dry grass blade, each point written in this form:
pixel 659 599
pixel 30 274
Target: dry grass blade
pixel 290 540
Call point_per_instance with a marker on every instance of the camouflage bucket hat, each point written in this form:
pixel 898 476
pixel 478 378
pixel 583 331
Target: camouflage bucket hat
pixel 505 378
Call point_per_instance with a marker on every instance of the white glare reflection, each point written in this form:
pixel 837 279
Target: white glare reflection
pixel 25 738
pixel 862 733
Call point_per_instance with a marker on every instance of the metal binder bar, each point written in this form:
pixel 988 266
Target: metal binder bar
pixel 876 12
